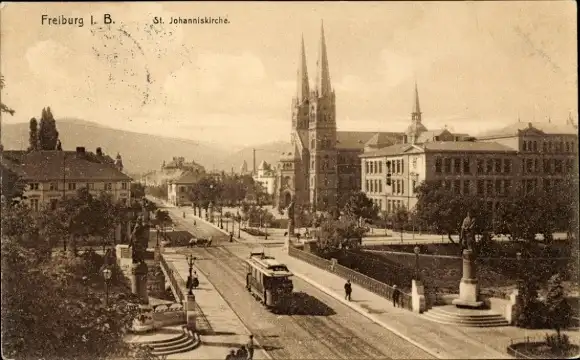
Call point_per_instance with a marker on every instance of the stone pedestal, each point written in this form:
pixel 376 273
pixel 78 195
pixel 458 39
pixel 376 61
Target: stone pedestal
pixel 418 296
pixel 124 259
pixel 144 321
pixel 468 287
pixel 139 281
pixel 190 312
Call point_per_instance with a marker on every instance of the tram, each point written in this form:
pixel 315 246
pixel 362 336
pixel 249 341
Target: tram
pixel 269 281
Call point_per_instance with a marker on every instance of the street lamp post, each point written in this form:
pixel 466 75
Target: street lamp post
pixel 107 276
pixel 519 265
pixel 417 250
pixel 190 259
pixel 239 218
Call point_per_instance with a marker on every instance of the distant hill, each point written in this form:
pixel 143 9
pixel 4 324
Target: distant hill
pixel 270 152
pixel 140 152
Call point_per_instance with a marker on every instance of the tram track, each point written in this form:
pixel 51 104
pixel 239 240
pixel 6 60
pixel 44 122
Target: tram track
pixel 324 329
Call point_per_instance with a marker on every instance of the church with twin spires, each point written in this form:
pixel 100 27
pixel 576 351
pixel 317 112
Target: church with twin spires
pixel 322 164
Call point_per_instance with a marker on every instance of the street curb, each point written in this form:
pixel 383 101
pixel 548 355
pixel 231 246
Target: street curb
pixel 367 315
pixel 238 316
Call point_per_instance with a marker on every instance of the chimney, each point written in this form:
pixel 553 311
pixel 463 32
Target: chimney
pixel 99 151
pixel 80 149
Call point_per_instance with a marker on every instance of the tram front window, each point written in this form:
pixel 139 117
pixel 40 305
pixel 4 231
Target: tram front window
pixel 279 282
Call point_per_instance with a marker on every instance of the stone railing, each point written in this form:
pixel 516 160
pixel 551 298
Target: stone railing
pixel 375 286
pixel 168 307
pixel 169 273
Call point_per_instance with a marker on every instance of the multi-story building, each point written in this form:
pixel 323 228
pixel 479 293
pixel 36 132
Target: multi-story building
pixel 321 162
pixel 519 156
pixel 179 189
pixel 266 177
pixel 53 175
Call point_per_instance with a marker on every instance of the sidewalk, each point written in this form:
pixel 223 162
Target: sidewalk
pixel 222 327
pixel 442 341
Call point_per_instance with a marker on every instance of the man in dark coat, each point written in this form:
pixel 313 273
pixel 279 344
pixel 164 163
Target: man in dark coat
pixel 250 347
pixel 347 290
pixel 396 296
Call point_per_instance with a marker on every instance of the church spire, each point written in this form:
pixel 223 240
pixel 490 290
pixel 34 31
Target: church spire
pixel 302 87
pixel 416 113
pixel 323 77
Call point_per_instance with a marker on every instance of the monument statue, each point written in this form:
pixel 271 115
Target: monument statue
pixel 138 241
pixel 467 235
pixel 290 213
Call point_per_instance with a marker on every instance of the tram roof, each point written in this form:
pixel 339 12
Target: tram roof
pixel 268 265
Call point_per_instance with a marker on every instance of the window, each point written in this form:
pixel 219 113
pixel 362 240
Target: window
pixel 402 187
pixel 447 165
pixel 398 166
pixel 546 184
pixel 457 166
pixel 380 186
pixel 498 189
pixel 545 146
pixel 488 166
pixel 525 146
pixel 438 164
pixel 34 204
pixel 402 166
pixel 480 187
pixel 53 204
pixel 34 186
pixel 529 165
pixel 497 166
pixel 507 185
pixel 372 166
pixel 367 186
pixel 466 185
pixel 480 166
pixel 546 164
pixel 535 147
pixel 124 185
pixel 466 166
pixel 457 186
pixel 72 186
pixel 488 187
pixel 413 186
pixel 53 186
pixel 109 187
pixel 558 166
pixel 380 167
pixel 507 166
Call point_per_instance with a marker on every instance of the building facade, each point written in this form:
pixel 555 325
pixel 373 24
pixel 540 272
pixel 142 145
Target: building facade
pixel 520 156
pixel 179 189
pixel 266 177
pixel 323 163
pixel 53 175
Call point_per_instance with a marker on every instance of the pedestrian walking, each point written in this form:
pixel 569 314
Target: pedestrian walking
pixel 184 214
pixel 347 290
pixel 396 296
pixel 250 348
pixel 231 236
pixel 194 222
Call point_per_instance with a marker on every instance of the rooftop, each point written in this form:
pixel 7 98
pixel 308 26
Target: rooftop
pixel 356 140
pixel 47 165
pixel 441 146
pixel 548 128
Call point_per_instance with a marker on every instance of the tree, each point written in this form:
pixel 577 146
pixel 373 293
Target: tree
pixel 339 234
pixel 400 218
pixel 137 191
pixel 558 309
pixel 360 206
pixel 162 218
pixel 62 298
pixel 12 185
pixel 3 107
pixel 47 133
pixel 442 210
pixel 33 135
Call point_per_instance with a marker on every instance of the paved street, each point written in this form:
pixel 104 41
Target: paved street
pixel 323 328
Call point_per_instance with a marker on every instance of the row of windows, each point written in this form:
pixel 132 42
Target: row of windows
pixel 391 166
pixel 458 166
pixel 322 144
pixel 325 164
pixel 549 166
pixel 393 205
pixel 53 203
pixel 549 146
pixel 73 186
pixel 374 186
pixel 378 203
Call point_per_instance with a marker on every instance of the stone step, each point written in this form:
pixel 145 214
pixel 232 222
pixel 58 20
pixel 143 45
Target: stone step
pixel 174 345
pixel 475 317
pixel 478 324
pixel 165 341
pixel 458 317
pixel 188 346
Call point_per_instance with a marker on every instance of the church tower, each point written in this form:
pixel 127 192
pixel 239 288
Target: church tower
pixel 322 137
pixel 416 127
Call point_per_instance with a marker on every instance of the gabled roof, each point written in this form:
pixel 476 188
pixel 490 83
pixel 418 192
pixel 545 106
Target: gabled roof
pixel 380 140
pixel 49 165
pixel 356 140
pixel 515 128
pixel 189 177
pixel 396 149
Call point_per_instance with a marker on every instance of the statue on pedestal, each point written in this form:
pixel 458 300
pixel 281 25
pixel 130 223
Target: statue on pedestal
pixel 290 214
pixel 467 235
pixel 138 241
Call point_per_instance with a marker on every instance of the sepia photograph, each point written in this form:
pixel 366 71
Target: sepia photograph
pixel 261 180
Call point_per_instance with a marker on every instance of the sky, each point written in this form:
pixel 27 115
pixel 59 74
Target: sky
pixel 477 65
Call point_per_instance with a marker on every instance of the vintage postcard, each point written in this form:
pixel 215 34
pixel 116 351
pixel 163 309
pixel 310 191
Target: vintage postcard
pixel 289 180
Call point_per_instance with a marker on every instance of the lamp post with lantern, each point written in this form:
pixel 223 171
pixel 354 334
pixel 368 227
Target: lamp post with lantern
pixel 107 273
pixel 416 250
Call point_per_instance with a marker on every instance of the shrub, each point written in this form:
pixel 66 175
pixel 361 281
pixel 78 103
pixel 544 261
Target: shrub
pixel 254 232
pixel 558 343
